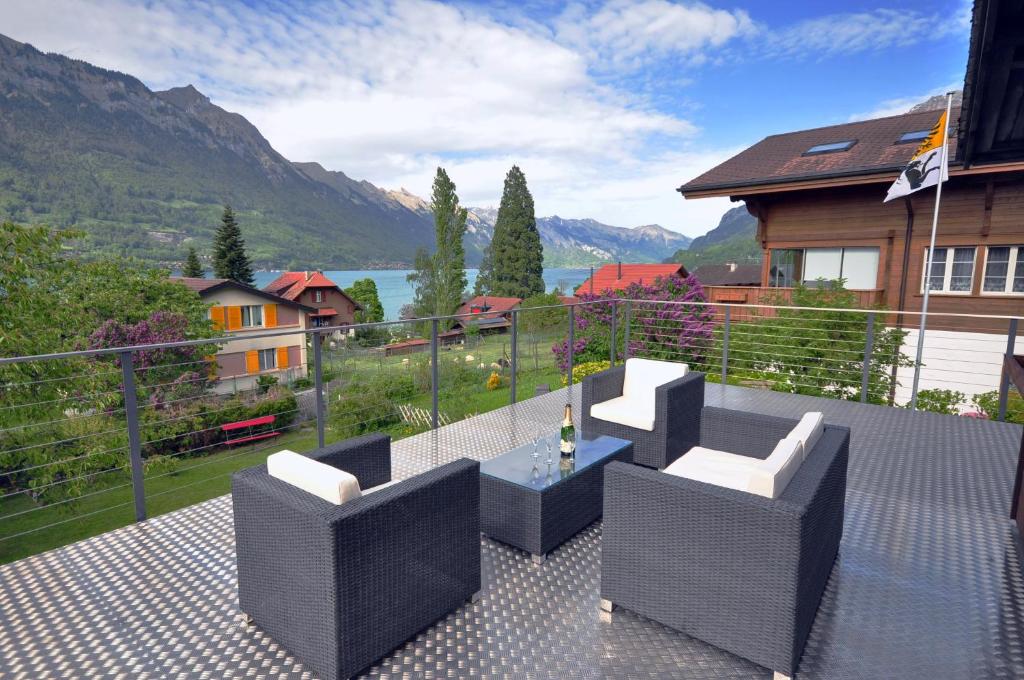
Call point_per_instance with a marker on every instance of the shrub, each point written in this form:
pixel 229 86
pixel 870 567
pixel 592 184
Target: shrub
pixel 302 384
pixel 988 403
pixel 265 382
pixel 939 401
pixel 366 404
pixel 581 371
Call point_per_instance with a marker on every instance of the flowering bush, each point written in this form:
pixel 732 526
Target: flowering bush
pixel 662 327
pixel 493 381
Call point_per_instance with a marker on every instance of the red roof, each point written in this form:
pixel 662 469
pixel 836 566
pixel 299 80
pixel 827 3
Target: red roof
pixel 493 306
pixel 325 311
pixel 608 277
pixel 784 158
pixel 197 284
pixel 290 285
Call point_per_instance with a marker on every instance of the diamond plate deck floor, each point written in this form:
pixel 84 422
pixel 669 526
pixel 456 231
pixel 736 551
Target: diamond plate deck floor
pixel 928 583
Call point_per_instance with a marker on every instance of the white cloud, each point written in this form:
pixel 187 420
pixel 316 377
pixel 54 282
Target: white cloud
pixel 627 33
pixel 898 105
pixel 388 91
pixel 846 33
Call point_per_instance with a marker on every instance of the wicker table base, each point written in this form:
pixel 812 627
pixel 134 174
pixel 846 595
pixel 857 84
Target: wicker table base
pixel 538 508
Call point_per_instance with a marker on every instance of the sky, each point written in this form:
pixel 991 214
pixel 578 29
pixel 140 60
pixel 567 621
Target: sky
pixel 607 106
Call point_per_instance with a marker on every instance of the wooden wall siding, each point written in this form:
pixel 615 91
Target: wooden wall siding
pixel 335 299
pixel 976 211
pixel 758 295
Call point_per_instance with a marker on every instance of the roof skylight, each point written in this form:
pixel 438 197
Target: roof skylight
pixel 831 147
pixel 915 136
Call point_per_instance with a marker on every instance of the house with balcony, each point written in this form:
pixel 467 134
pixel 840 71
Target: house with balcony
pixel 330 304
pixel 491 314
pixel 239 309
pixel 818 198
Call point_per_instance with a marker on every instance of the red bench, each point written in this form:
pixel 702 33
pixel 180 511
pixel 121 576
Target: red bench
pixel 244 433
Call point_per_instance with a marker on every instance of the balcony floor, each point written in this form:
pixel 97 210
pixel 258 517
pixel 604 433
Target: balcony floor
pixel 928 583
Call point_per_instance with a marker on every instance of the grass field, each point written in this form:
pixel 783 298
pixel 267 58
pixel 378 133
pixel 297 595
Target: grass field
pixel 27 528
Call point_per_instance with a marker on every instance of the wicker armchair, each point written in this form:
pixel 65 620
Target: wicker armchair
pixel 742 572
pixel 677 406
pixel 341 586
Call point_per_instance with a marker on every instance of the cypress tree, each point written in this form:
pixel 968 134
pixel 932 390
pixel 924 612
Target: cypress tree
pixel 229 258
pixel 516 254
pixel 440 280
pixel 193 268
pixel 450 256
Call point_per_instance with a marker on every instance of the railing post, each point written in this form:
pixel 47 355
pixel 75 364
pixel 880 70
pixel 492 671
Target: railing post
pixel 869 348
pixel 514 367
pixel 318 381
pixel 615 334
pixel 1004 380
pixel 433 374
pixel 725 345
pixel 131 413
pixel 572 341
pixel 625 331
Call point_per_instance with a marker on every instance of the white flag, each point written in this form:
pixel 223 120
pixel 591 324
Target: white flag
pixel 926 167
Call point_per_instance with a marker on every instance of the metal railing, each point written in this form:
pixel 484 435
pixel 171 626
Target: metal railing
pixel 112 422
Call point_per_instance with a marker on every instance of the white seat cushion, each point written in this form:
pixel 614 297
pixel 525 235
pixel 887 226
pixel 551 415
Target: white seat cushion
pixel 625 411
pixel 644 375
pixel 768 477
pixel 809 430
pixel 322 480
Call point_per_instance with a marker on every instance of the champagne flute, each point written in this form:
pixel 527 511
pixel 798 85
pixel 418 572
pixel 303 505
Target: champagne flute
pixel 536 446
pixel 547 442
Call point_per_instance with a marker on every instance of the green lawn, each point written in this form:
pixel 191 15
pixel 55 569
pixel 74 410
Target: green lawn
pixel 198 479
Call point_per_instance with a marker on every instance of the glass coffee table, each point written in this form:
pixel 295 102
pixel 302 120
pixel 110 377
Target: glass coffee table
pixel 536 507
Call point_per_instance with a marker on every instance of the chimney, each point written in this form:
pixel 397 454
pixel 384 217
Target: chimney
pixel 620 270
pixel 731 266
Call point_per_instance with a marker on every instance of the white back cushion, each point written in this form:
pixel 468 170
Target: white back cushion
pixel 809 430
pixel 643 375
pixel 322 480
pixel 772 477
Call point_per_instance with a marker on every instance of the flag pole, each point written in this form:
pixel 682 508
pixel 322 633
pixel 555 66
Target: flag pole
pixel 931 253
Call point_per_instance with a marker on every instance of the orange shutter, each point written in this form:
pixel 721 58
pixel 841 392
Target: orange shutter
pixel 217 317
pixel 252 361
pixel 270 315
pixel 282 357
pixel 234 318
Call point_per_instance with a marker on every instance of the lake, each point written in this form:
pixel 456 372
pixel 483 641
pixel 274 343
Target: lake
pixel 395 291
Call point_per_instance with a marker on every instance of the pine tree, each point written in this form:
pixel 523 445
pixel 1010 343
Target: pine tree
pixel 516 256
pixel 483 275
pixel 193 268
pixel 440 279
pixel 229 258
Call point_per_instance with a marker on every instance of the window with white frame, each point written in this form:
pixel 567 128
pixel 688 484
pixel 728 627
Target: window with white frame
pixel 1004 270
pixel 252 316
pixel 952 270
pixel 268 359
pixel 318 295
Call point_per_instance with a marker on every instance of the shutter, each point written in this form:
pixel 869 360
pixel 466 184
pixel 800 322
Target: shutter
pixel 252 361
pixel 270 315
pixel 217 317
pixel 234 318
pixel 282 357
pixel 212 366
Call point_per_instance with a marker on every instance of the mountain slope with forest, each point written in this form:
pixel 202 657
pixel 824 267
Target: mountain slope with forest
pixel 146 174
pixel 732 240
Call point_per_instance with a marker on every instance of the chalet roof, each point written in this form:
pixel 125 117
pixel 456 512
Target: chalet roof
pixel 729 275
pixel 784 158
pixel 608 277
pixel 493 304
pixel 207 287
pixel 291 285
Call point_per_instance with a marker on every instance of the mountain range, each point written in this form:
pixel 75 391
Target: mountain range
pixel 733 240
pixel 145 173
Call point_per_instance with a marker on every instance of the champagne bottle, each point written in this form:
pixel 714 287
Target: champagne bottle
pixel 568 443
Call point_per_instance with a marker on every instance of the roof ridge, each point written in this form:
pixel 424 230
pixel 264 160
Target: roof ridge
pixel 852 122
